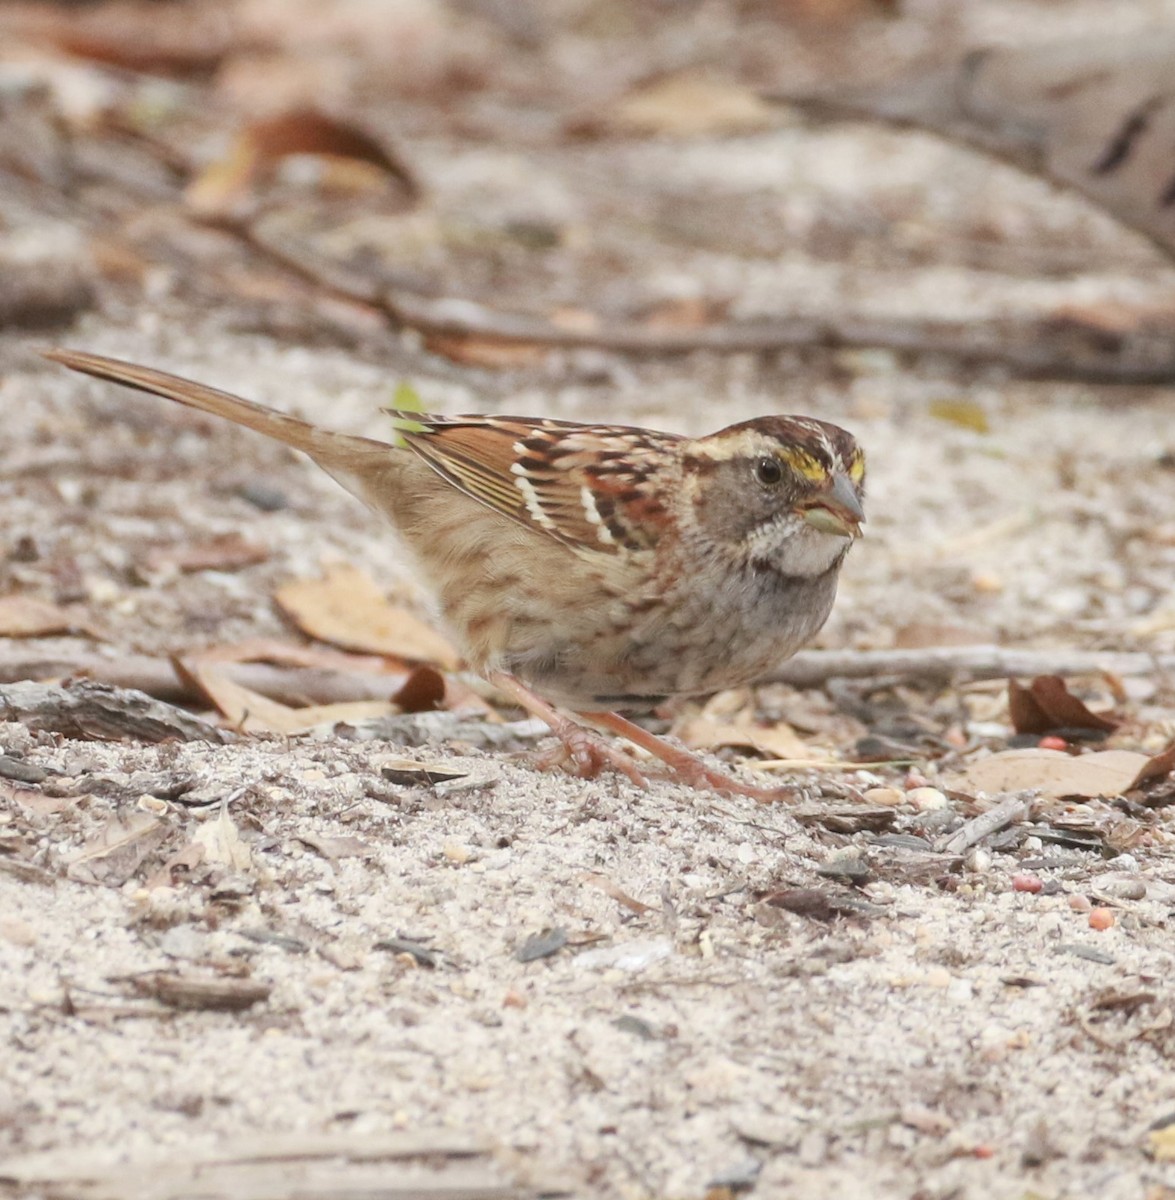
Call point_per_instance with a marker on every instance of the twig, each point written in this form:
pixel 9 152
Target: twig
pixel 943 664
pixel 1006 813
pixel 465 318
pixel 808 669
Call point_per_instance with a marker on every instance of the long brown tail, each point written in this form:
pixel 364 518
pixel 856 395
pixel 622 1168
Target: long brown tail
pixel 329 449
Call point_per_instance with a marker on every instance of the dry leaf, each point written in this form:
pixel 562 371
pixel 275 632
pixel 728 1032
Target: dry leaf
pixel 967 414
pixel 422 691
pixel 1160 1143
pixel 26 616
pixel 1053 773
pixel 1047 705
pixel 337 847
pixel 919 635
pixel 229 552
pixel 116 852
pixel 1158 766
pixel 252 712
pixel 347 609
pixel 472 350
pixel 689 105
pixel 771 741
pixel 222 844
pixel 353 159
pixel 178 40
pixel 616 892
pixel 408 772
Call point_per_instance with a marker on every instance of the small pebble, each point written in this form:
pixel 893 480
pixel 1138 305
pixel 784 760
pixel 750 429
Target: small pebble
pixel 1053 743
pixel 978 861
pixel 456 854
pixel 1079 903
pixel 885 795
pixel 1126 889
pixel 925 799
pixel 1027 883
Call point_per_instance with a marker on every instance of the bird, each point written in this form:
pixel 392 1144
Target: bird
pixel 589 571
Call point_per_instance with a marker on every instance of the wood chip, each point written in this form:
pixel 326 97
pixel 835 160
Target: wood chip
pixel 86 710
pixel 217 993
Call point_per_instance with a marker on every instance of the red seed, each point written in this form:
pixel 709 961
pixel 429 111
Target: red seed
pixel 1026 883
pixel 1101 918
pixel 1053 743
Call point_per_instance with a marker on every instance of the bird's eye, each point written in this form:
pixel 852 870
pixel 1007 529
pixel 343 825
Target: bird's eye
pixel 768 471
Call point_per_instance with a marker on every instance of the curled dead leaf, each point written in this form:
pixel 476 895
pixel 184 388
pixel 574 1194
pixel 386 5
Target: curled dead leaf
pixel 351 160
pixel 251 712
pixel 347 609
pixel 26 616
pixel 1047 705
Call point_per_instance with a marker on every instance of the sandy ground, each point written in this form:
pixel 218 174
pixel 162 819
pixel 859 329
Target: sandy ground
pixel 936 1035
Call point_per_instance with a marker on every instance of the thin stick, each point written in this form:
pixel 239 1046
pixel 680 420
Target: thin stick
pixel 1006 813
pixel 944 664
pixel 455 316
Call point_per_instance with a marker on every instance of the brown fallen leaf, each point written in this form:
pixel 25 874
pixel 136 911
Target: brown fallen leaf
pixel 472 350
pixel 116 852
pixel 617 893
pixel 184 41
pixel 1047 705
pixel 26 616
pixel 352 160
pixel 1158 766
pixel 957 410
pixel 347 609
pixel 920 635
pixel 690 104
pixel 251 712
pixel 1053 773
pixel 422 691
pixel 337 847
pixel 229 552
pixel 770 741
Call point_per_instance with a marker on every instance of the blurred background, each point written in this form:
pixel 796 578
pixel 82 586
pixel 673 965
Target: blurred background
pixel 946 225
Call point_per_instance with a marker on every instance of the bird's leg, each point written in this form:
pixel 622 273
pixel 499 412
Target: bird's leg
pixel 586 751
pixel 684 766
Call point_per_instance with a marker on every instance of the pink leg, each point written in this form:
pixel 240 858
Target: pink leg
pixel 686 767
pixel 586 750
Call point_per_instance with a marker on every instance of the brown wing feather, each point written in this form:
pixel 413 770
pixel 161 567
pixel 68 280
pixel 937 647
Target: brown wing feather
pixel 580 484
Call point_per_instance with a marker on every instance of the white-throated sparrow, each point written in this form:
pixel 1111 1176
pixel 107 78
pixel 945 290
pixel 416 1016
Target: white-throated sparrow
pixel 591 568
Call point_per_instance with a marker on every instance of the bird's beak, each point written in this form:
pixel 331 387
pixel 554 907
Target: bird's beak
pixel 836 510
